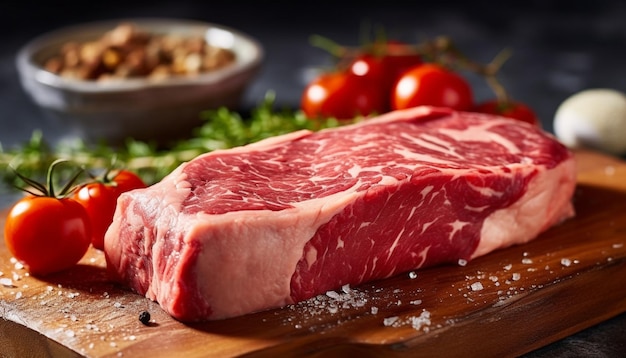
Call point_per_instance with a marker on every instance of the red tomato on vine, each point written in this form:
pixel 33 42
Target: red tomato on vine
pixel 99 198
pixel 47 231
pixel 342 95
pixel 385 63
pixel 432 85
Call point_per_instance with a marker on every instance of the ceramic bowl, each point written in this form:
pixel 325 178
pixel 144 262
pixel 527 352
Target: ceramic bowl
pixel 138 108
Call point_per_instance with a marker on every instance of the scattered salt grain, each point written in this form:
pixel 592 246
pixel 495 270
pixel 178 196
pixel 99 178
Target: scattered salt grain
pixel 422 320
pixel 389 321
pixel 566 262
pixel 18 295
pixel 516 276
pixel 412 275
pixel 527 261
pixel 618 246
pixel 477 286
pixel 462 262
pixel 508 267
pixel 416 302
pixel 6 282
pixel 332 294
pixel 70 333
pixel 374 310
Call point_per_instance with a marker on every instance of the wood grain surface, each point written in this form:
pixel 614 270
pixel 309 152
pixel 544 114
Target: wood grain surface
pixel 504 304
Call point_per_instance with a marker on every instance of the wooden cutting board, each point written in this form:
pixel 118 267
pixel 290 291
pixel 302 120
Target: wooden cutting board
pixel 504 304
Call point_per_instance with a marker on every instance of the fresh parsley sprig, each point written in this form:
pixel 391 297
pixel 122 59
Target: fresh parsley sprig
pixel 221 129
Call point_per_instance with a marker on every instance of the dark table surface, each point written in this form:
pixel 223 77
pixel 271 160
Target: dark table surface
pixel 559 48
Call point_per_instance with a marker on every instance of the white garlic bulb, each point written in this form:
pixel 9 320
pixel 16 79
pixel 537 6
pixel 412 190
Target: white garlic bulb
pixel 593 118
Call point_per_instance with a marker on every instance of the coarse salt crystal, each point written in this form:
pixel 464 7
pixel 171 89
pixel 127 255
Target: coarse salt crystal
pixel 416 302
pixel 374 310
pixel 389 321
pixel 332 294
pixel 566 262
pixel 462 262
pixel 508 267
pixel 516 276
pixel 6 282
pixel 422 320
pixel 477 286
pixel 527 261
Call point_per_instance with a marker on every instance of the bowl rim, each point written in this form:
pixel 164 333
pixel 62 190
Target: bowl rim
pixel 28 67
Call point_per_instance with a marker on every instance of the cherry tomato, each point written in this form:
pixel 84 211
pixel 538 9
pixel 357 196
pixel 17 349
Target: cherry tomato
pixel 342 95
pixel 47 234
pixel 99 198
pixel 385 63
pixel 511 109
pixel 384 69
pixel 127 180
pixel 432 85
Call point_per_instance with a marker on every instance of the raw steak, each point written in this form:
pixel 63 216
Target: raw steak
pixel 279 221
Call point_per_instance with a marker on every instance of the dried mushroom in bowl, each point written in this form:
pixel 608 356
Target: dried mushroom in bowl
pixel 128 52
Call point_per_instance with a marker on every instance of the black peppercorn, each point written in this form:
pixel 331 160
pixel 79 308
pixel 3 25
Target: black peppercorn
pixel 144 317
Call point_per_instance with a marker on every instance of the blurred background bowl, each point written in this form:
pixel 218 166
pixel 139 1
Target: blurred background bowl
pixel 139 108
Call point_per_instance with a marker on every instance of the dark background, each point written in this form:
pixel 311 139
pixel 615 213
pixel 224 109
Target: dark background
pixel 559 48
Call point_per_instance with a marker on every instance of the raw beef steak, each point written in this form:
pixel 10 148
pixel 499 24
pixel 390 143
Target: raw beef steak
pixel 279 221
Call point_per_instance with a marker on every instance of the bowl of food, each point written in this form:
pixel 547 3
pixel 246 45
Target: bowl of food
pixel 146 79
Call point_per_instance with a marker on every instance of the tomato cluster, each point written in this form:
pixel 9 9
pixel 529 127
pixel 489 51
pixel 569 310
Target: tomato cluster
pixel 49 232
pixel 391 76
